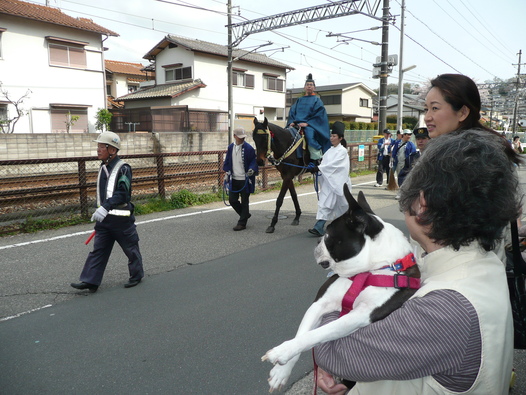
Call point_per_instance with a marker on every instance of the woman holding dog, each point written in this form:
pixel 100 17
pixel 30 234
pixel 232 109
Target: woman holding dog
pixel 334 172
pixel 456 334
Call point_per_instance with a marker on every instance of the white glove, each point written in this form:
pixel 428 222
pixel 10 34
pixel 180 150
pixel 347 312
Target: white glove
pixel 227 177
pixel 99 215
pixel 250 172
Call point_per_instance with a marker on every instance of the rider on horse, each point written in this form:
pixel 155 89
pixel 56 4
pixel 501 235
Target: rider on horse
pixel 309 113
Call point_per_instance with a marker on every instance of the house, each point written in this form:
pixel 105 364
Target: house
pixel 123 78
pixel 190 90
pixel 352 102
pixel 57 61
pixel 413 105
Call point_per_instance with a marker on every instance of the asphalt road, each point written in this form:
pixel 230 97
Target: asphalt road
pixel 213 301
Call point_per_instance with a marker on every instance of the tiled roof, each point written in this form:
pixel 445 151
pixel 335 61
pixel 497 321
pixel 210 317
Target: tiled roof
pixel 215 49
pixel 165 90
pixel 50 15
pixel 112 103
pixel 127 68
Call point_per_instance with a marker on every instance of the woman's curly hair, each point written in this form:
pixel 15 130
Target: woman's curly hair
pixel 470 188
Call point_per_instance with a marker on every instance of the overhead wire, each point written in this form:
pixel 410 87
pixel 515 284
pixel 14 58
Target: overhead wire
pixel 440 37
pixel 490 31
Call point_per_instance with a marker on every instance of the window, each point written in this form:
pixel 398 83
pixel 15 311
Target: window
pixel 364 102
pixel 243 80
pixel 67 56
pixel 272 83
pixel 1 31
pixel 4 125
pixel 132 88
pixel 63 115
pixel 331 99
pixel 108 89
pixel 181 73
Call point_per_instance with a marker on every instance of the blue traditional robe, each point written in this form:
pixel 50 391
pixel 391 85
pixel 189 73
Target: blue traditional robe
pixel 310 109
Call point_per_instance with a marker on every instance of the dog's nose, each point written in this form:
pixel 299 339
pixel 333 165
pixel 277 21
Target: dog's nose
pixel 325 264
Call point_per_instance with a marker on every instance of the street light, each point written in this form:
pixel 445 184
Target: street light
pixel 400 95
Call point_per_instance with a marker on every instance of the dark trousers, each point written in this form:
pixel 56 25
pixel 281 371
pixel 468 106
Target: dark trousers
pixel 113 229
pixel 383 166
pixel 238 189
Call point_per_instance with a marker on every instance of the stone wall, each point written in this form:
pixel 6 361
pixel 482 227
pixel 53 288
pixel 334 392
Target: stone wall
pixel 44 146
pixel 55 145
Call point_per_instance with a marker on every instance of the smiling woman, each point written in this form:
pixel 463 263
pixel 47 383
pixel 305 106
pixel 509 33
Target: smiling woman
pixel 453 105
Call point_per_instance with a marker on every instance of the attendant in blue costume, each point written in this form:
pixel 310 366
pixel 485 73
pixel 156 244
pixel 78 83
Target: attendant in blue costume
pixel 240 174
pixel 309 113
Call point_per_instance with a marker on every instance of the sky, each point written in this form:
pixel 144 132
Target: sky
pixel 478 38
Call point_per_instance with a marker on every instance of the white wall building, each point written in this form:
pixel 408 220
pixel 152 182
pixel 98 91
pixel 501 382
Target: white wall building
pixel 351 102
pixel 55 58
pixel 192 74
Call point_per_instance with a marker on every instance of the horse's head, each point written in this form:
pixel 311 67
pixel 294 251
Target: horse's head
pixel 262 139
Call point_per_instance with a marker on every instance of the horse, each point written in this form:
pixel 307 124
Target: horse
pixel 280 147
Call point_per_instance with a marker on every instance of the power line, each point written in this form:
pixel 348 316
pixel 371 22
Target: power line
pixel 437 35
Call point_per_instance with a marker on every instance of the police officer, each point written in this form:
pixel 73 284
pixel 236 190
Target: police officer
pixel 114 216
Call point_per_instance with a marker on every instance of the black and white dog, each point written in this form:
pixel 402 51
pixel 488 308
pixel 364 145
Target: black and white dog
pixel 363 250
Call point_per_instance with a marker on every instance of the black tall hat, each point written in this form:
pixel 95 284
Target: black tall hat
pixel 338 128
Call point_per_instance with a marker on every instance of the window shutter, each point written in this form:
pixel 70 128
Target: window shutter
pixel 280 85
pixel 77 57
pixel 58 55
pixel 250 79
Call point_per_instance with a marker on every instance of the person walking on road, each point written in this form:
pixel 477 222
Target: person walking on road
pixel 401 151
pixel 241 170
pixel 422 138
pixel 384 157
pixel 334 170
pixel 114 217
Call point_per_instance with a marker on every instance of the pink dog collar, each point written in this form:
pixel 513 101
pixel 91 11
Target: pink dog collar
pixel 363 280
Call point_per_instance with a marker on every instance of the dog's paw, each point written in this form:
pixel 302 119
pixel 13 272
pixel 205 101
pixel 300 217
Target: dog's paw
pixel 278 376
pixel 280 354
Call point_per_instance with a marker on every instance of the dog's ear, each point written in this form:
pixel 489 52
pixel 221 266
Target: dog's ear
pixel 353 204
pixel 265 123
pixel 255 121
pixel 360 215
pixel 363 203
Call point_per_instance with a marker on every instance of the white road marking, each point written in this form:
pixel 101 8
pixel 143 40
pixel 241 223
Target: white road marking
pixel 25 312
pixel 152 220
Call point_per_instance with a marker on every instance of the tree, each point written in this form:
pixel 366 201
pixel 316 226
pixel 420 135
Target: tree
pixel 103 119
pixel 70 121
pixel 7 125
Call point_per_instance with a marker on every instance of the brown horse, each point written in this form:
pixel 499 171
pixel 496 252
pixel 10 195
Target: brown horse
pixel 279 146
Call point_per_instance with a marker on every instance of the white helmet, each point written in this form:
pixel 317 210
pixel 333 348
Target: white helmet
pixel 109 138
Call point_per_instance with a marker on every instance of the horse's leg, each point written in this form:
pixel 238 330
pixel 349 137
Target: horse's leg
pixel 294 197
pixel 279 203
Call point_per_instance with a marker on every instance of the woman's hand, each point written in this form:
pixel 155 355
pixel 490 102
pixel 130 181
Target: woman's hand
pixel 327 383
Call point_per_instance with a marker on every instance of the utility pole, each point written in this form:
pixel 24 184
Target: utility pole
pixel 229 72
pixel 382 116
pixel 517 91
pixel 401 71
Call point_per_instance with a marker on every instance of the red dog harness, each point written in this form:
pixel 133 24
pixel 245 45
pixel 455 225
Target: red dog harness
pixel 363 280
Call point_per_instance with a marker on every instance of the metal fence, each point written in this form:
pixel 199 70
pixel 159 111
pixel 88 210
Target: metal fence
pixel 44 188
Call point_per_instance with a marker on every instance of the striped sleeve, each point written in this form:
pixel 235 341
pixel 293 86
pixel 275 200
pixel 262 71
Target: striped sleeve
pixel 435 335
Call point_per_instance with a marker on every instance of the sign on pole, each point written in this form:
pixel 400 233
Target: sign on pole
pixel 361 153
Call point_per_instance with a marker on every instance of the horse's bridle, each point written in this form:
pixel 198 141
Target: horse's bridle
pixel 270 155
